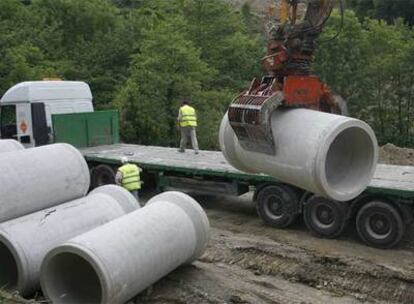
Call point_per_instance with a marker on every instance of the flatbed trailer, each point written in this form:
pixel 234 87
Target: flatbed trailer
pixel 381 212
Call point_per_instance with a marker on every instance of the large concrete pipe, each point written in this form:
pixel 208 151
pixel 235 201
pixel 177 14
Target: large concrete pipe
pixel 9 145
pixel 120 194
pixel 114 262
pixel 38 178
pixel 330 155
pixel 25 241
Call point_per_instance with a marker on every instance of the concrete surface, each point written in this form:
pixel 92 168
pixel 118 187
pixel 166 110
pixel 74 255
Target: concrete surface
pixel 38 178
pixel 25 241
pixel 124 198
pixel 113 263
pixel 330 155
pixel 9 145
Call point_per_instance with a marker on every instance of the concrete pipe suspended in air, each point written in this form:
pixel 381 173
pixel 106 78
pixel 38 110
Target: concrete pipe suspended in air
pixel 115 262
pixel 38 178
pixel 25 241
pixel 330 155
pixel 10 145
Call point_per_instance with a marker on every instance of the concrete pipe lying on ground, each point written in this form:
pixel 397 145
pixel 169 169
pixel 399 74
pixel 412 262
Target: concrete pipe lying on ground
pixel 38 178
pixel 9 145
pixel 25 241
pixel 114 262
pixel 330 155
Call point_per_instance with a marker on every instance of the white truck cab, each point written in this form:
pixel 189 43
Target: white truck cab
pixel 26 109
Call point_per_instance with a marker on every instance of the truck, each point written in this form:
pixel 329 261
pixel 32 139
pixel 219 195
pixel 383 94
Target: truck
pixel 27 108
pixel 381 213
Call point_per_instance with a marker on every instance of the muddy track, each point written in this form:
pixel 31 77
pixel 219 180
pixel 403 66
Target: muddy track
pixel 338 275
pixel 248 262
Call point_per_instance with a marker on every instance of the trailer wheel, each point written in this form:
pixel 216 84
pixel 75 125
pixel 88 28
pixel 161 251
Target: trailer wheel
pixel 324 217
pixel 277 205
pixel 379 224
pixel 102 175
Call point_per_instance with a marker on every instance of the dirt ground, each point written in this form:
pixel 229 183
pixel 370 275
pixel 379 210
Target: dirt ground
pixel 248 262
pixel 390 154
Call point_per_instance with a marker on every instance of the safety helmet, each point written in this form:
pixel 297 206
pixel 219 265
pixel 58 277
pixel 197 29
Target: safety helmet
pixel 124 159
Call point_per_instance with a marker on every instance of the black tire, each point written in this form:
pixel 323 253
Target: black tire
pixel 324 217
pixel 102 175
pixel 277 205
pixel 380 225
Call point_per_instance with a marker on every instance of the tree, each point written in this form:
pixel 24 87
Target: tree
pixel 21 57
pixel 87 40
pixel 221 34
pixel 385 9
pixel 190 49
pixel 167 69
pixel 371 66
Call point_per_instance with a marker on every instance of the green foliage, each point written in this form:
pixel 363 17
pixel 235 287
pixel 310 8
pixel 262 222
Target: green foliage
pixel 371 65
pixel 87 40
pixel 191 49
pixel 167 69
pixel 388 10
pixel 221 34
pixel 20 57
pixel 211 105
pixel 144 57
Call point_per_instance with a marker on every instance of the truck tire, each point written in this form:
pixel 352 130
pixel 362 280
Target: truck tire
pixel 324 217
pixel 379 224
pixel 102 175
pixel 277 205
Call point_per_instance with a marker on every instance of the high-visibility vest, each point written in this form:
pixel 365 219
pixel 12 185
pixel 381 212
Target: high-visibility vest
pixel 188 117
pixel 130 177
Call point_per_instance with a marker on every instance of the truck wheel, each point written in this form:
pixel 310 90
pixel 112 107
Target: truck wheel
pixel 277 205
pixel 324 217
pixel 379 224
pixel 102 175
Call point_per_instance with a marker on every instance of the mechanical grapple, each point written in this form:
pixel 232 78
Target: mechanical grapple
pixel 290 81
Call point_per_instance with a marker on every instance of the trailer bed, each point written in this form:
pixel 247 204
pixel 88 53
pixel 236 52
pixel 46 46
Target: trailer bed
pixel 388 179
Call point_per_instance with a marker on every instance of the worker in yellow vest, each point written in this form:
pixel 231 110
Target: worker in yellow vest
pixel 187 122
pixel 128 176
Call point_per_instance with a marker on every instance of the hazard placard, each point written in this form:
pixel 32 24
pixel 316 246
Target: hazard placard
pixel 23 126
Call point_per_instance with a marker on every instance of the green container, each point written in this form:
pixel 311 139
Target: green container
pixel 86 129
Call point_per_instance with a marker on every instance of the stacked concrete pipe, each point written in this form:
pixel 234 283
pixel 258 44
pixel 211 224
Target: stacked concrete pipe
pixel 38 178
pixel 113 263
pixel 330 155
pixel 10 145
pixel 25 241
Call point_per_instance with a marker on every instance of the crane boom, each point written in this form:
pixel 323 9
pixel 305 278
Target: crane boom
pixel 290 81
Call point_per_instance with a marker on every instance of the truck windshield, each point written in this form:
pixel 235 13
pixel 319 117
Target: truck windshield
pixel 8 127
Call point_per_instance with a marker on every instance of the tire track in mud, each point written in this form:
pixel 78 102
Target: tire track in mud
pixel 338 275
pixel 248 262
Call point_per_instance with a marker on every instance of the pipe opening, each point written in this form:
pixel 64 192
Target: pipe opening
pixel 349 161
pixel 8 268
pixel 70 278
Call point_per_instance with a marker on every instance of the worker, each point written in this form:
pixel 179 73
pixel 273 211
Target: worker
pixel 187 123
pixel 128 176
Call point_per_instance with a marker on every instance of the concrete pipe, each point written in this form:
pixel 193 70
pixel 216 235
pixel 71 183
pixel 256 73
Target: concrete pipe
pixel 38 178
pixel 25 241
pixel 145 245
pixel 9 145
pixel 330 155
pixel 127 201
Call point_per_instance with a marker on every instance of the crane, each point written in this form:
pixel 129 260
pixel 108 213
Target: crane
pixel 290 81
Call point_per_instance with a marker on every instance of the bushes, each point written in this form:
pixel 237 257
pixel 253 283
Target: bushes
pixel 144 57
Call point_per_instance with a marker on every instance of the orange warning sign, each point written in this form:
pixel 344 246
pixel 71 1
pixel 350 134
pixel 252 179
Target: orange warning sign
pixel 23 126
